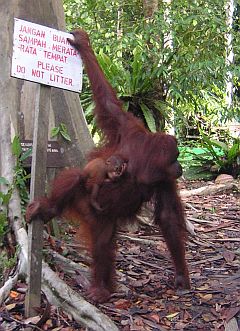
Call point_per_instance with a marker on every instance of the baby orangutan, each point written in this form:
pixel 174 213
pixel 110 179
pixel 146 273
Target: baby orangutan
pixel 99 170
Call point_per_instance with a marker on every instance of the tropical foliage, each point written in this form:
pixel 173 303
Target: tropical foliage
pixel 212 158
pixel 149 75
pixel 169 68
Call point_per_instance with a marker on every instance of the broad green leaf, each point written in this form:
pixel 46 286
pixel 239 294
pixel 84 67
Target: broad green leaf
pixel 6 197
pixel 26 154
pixel 148 117
pixel 16 146
pixel 54 132
pixel 137 68
pixel 63 127
pixel 219 144
pixel 233 152
pixel 65 135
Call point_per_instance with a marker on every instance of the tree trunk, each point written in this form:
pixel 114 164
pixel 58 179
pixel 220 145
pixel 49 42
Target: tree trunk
pixel 150 7
pixel 168 43
pixel 233 125
pixel 229 7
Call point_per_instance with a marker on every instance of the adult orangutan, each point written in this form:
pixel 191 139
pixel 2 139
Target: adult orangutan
pixel 151 173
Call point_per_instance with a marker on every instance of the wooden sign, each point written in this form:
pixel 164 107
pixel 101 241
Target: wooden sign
pixel 55 154
pixel 43 55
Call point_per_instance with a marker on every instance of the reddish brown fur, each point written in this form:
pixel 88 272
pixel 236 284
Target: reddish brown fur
pixel 151 173
pixel 99 170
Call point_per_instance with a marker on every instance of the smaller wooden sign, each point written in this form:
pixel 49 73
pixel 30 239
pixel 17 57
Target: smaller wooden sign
pixel 55 154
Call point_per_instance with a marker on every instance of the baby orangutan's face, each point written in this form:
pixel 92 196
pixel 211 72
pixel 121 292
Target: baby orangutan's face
pixel 116 166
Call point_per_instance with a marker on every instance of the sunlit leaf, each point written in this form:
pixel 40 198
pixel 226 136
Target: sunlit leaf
pixel 16 146
pixel 149 118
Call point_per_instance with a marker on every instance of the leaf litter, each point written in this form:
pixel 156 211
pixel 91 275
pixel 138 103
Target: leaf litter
pixel 146 299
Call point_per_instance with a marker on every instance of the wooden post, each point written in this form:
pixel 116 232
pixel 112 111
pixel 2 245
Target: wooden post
pixel 38 181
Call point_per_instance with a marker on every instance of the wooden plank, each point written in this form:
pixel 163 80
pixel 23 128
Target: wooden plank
pixel 37 188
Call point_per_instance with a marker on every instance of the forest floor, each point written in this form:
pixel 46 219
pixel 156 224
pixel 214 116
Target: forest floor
pixel 146 299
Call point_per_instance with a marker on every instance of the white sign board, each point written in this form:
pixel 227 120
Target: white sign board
pixel 43 55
